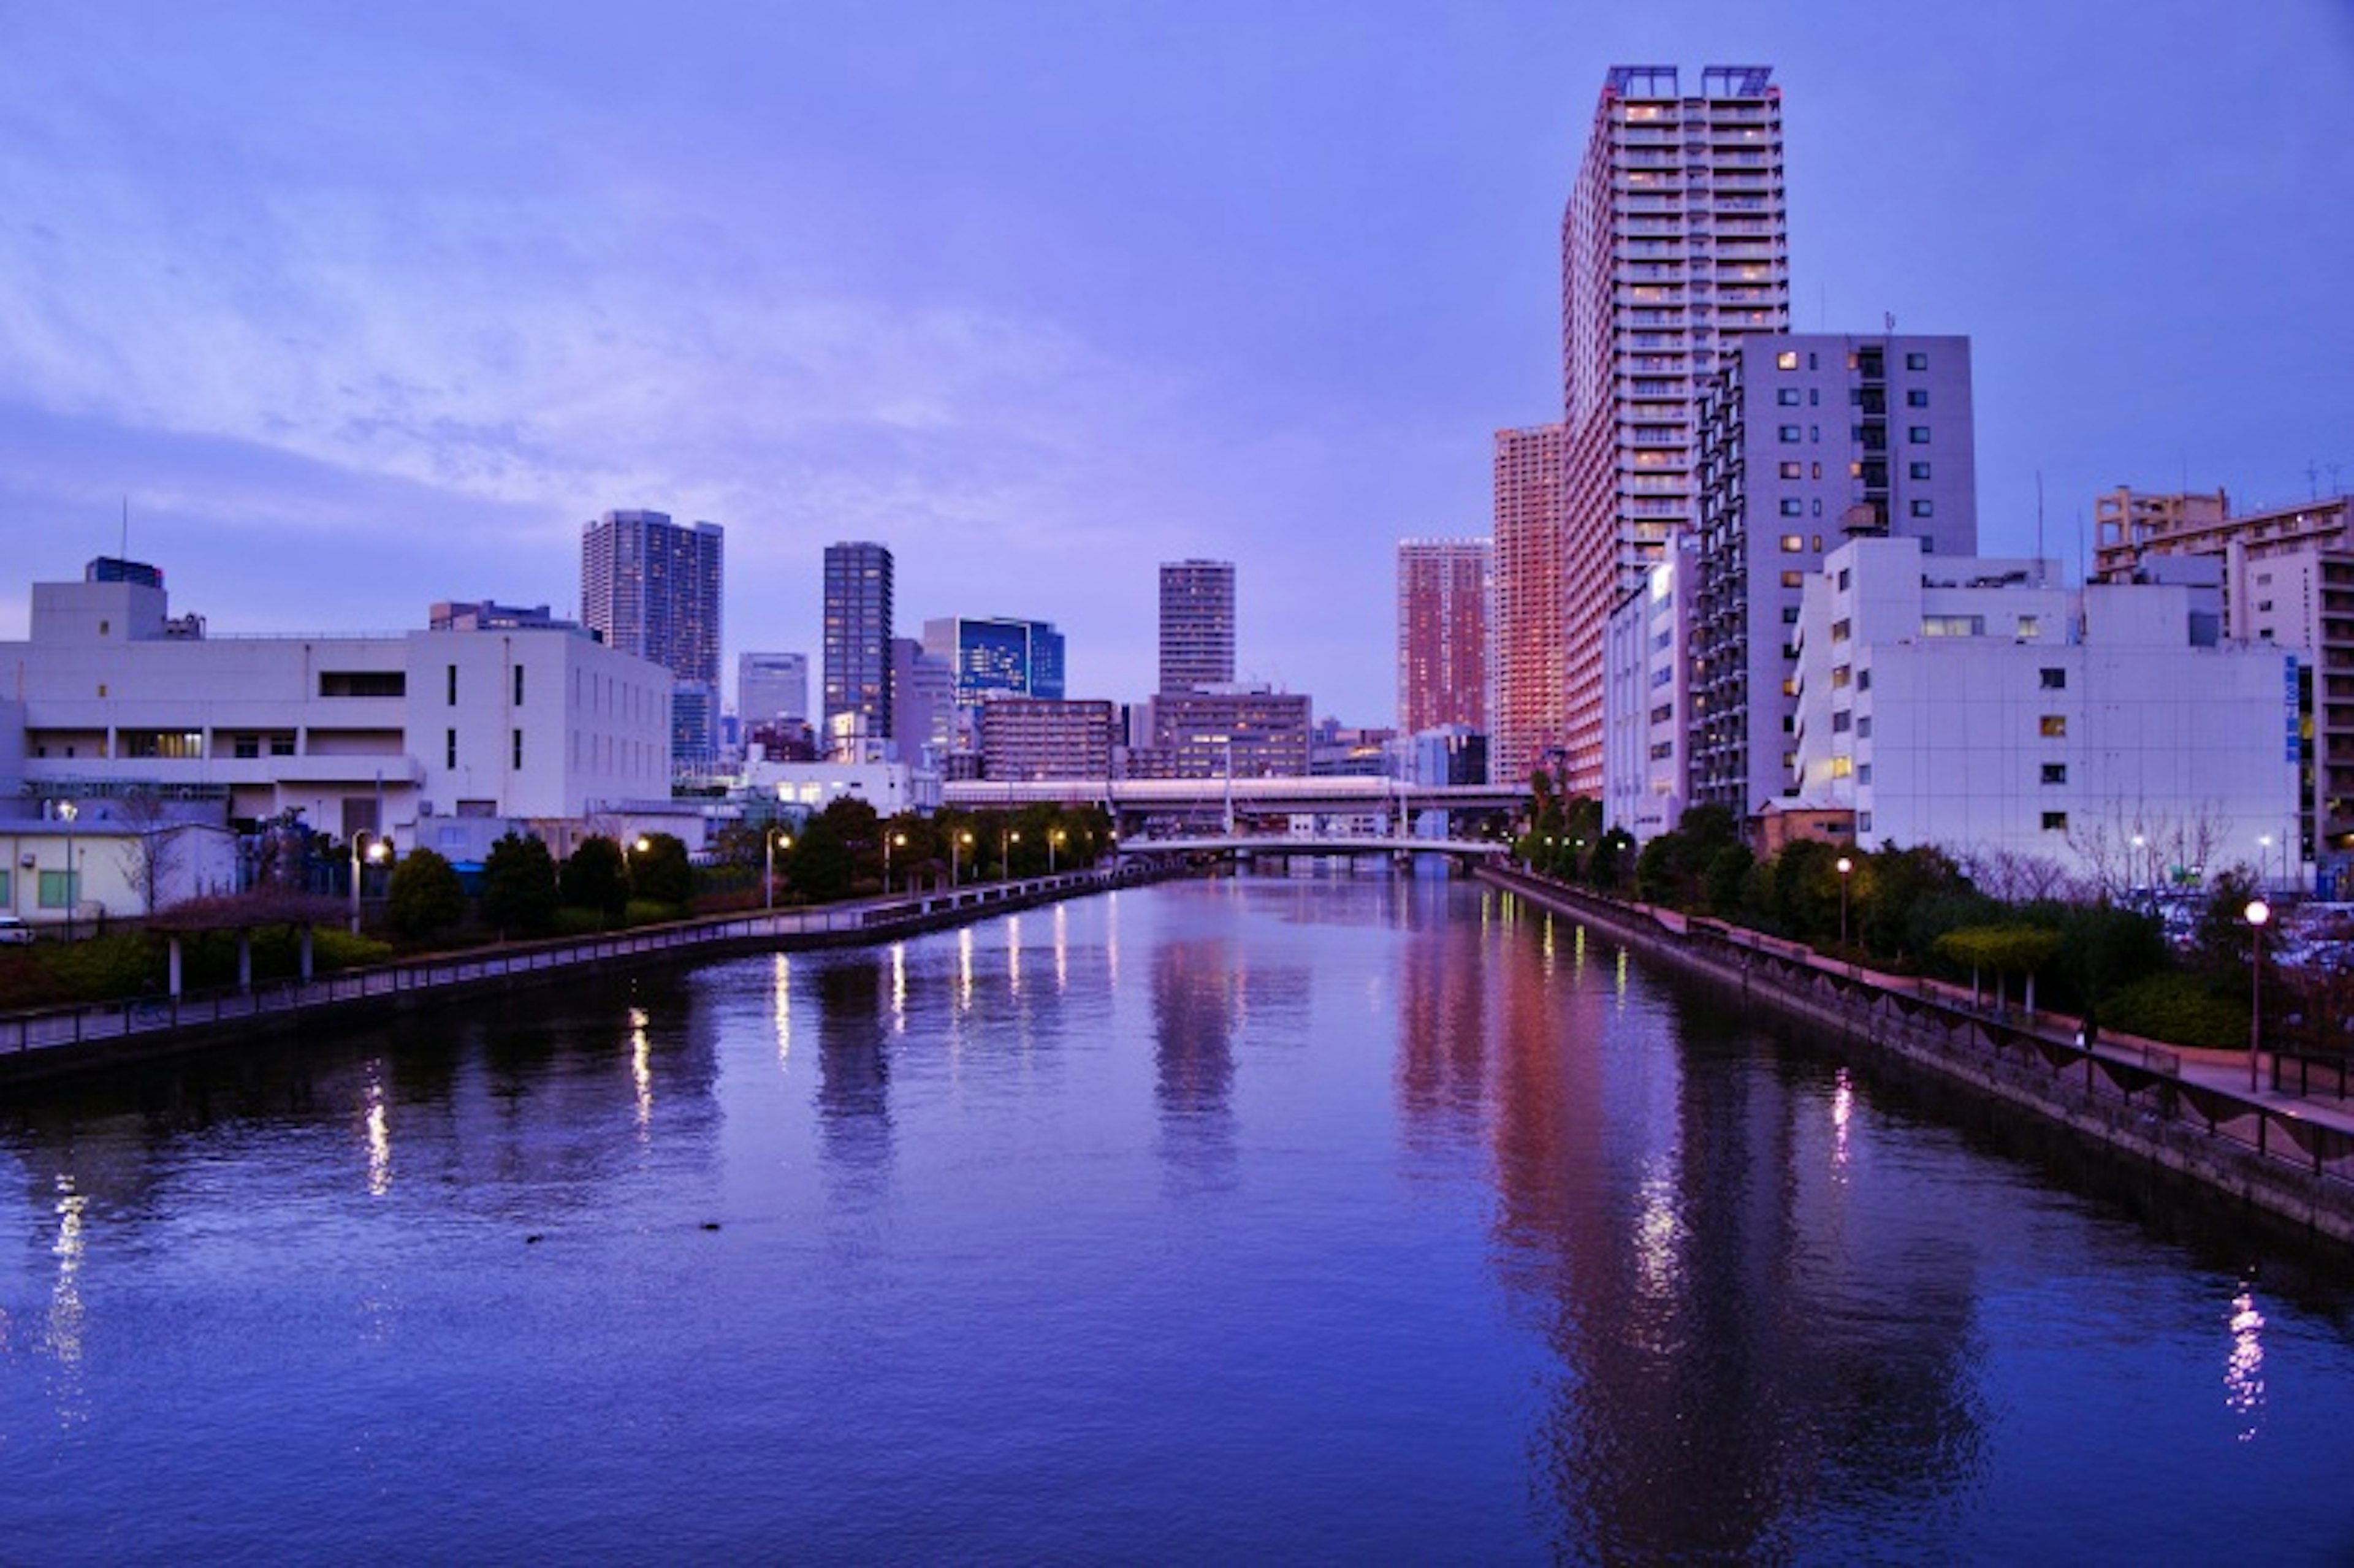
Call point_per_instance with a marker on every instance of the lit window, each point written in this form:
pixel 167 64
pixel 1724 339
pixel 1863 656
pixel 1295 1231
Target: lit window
pixel 1843 767
pixel 1794 471
pixel 1839 629
pixel 1786 360
pixel 2054 726
pixel 1792 543
pixel 1840 676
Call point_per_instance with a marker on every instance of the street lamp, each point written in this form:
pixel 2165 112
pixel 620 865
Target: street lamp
pixel 888 841
pixel 69 810
pixel 1005 843
pixel 376 853
pixel 961 839
pixel 771 843
pixel 2257 913
pixel 2264 861
pixel 1053 840
pixel 1843 865
pixel 2141 863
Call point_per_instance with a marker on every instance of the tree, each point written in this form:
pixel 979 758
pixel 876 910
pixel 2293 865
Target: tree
pixel 426 894
pixel 594 876
pixel 150 860
pixel 519 884
pixel 660 873
pixel 822 865
pixel 2013 947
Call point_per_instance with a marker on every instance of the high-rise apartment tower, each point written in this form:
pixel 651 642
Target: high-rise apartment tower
pixel 1442 633
pixel 1197 625
pixel 1529 648
pixel 650 586
pixel 856 657
pixel 1675 242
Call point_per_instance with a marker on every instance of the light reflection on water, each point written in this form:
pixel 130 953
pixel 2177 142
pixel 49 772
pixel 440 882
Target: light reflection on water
pixel 1354 1220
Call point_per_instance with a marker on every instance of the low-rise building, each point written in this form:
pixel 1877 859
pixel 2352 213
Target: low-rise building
pixel 1036 737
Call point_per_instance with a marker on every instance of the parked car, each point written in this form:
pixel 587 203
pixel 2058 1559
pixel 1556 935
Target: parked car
pixel 14 930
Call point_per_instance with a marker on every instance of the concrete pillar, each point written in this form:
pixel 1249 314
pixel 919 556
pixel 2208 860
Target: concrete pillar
pixel 174 948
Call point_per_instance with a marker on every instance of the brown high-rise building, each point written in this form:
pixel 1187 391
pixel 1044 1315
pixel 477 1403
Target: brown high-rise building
pixel 1528 725
pixel 1673 246
pixel 1442 633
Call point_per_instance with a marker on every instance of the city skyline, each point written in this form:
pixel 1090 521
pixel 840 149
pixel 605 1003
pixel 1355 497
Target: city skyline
pixel 358 313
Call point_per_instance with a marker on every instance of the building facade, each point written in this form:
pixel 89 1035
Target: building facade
pixel 1197 625
pixel 1968 702
pixel 1674 245
pixel 359 731
pixel 996 656
pixel 1443 587
pixel 927 725
pixel 1238 732
pixel 1528 637
pixel 1038 738
pixel 1806 441
pixel 1647 699
pixel 771 687
pixel 856 655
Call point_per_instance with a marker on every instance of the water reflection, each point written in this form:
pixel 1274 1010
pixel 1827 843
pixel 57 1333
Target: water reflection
pixel 1196 1007
pixel 1689 1256
pixel 2243 1367
pixel 854 1060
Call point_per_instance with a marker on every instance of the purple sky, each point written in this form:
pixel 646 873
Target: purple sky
pixel 364 307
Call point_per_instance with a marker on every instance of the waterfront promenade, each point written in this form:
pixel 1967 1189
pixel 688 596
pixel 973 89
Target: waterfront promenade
pixel 53 1042
pixel 2280 1146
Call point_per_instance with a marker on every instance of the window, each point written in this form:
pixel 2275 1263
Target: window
pixel 59 889
pixel 1917 434
pixel 1864 680
pixel 1846 578
pixel 1794 471
pixel 1786 360
pixel 2053 725
pixel 1793 507
pixel 1843 767
pixel 1814 508
pixel 1841 722
pixel 1840 676
pixel 1952 626
pixel 1863 727
pixel 518 678
pixel 453 686
pixel 1791 579
pixel 1864 822
pixel 361 683
pixel 2052 679
pixel 450 749
pixel 1663 713
pixel 1919 469
pixel 2055 773
pixel 246 748
pixel 1916 361
pixel 1793 543
pixel 1789 434
pixel 2055 821
pixel 7 899
pixel 2029 628
pixel 1787 397
pixel 517 761
pixel 1864 772
pixel 1789 615
pixel 1922 507
pixel 282 745
pixel 1839 629
pixel 1916 398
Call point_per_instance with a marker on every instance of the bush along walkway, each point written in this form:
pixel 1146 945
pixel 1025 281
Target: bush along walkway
pixel 2190 1111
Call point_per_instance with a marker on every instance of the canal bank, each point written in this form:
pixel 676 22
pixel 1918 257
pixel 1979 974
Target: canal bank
pixel 68 1041
pixel 2183 1111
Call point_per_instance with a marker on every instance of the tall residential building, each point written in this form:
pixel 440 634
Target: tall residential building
pixel 997 656
pixel 1442 633
pixel 771 687
pixel 1529 648
pixel 1808 440
pixel 857 646
pixel 1033 738
pixel 924 718
pixel 1197 625
pixel 1674 244
pixel 652 588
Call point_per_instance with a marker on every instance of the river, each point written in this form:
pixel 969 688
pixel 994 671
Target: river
pixel 1263 1219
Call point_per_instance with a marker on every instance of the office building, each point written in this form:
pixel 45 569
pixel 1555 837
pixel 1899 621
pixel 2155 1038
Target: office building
pixel 1529 647
pixel 856 659
pixel 770 687
pixel 1242 732
pixel 1806 441
pixel 927 727
pixel 1197 625
pixel 1674 244
pixel 997 656
pixel 1442 632
pixel 1974 705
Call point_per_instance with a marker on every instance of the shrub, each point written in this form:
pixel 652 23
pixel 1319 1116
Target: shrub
pixel 2177 1008
pixel 426 896
pixel 103 968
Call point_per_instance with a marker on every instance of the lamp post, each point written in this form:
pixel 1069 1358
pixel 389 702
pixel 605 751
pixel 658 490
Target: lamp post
pixel 374 856
pixel 1843 865
pixel 1005 843
pixel 2263 860
pixel 2257 913
pixel 69 810
pixel 889 841
pixel 771 843
pixel 1053 840
pixel 2141 863
pixel 962 838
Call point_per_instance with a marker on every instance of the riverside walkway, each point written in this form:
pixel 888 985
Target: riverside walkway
pixel 57 1041
pixel 2286 1145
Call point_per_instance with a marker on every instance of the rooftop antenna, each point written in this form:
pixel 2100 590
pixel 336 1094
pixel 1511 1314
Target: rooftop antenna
pixel 2313 478
pixel 2038 529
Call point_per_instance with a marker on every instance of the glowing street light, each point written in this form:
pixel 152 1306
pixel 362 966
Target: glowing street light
pixel 376 854
pixel 889 839
pixel 69 810
pixel 1005 843
pixel 1054 840
pixel 771 843
pixel 1843 865
pixel 961 839
pixel 2257 913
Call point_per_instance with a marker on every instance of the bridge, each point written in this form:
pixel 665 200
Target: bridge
pixel 1357 814
pixel 1322 843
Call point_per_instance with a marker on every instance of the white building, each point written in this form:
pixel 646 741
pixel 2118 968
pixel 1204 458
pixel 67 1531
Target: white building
pixel 108 861
pixel 380 732
pixel 890 787
pixel 1647 719
pixel 1968 702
